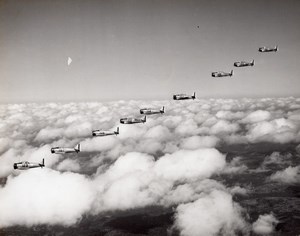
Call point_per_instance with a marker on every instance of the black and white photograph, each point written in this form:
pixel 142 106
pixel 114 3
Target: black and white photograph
pixel 150 117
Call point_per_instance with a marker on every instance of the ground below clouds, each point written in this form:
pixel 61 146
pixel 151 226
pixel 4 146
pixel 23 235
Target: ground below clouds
pixel 263 197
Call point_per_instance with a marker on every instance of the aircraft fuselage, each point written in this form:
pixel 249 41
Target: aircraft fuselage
pixel 243 64
pixel 25 165
pixel 60 150
pixel 221 74
pixel 132 120
pixel 266 49
pixel 147 111
pixel 103 133
pixel 183 97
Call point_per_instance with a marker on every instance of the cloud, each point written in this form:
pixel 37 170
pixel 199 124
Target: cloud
pixel 278 159
pixel 167 161
pixel 290 175
pixel 68 165
pixel 278 130
pixel 235 166
pixel 35 197
pixel 212 214
pixel 98 144
pixel 49 134
pixel 201 163
pixel 159 133
pixel 6 163
pixel 196 142
pixel 4 144
pixel 137 180
pixel 237 190
pixel 265 224
pixel 229 115
pixel 257 116
pixel 224 127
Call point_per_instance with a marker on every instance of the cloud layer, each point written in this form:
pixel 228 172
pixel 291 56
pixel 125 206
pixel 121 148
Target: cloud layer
pixel 168 161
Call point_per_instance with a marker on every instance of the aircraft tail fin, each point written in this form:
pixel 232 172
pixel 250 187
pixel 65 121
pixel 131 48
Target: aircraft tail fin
pixel 252 63
pixel 231 73
pixel 117 132
pixel 194 95
pixel 77 148
pixel 162 110
pixel 276 48
pixel 43 163
pixel 144 120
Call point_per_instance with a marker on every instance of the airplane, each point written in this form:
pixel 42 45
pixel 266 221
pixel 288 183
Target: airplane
pixel 25 165
pixel 183 96
pixel 105 133
pixel 266 49
pixel 132 120
pixel 243 63
pixel 59 150
pixel 150 111
pixel 221 74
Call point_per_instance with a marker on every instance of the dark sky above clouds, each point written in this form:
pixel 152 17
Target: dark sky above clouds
pixel 138 49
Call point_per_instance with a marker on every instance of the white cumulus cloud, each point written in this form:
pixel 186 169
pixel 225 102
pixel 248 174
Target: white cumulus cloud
pixel 265 224
pixel 212 214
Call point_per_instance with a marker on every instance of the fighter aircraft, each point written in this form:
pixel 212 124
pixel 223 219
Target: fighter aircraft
pixel 25 165
pixel 243 63
pixel 266 49
pixel 132 120
pixel 59 150
pixel 150 111
pixel 105 133
pixel 221 74
pixel 184 96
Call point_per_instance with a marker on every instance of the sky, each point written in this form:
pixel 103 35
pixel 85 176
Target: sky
pixel 138 49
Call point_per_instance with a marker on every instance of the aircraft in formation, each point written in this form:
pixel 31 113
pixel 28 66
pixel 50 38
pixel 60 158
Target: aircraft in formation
pixel 60 150
pixel 132 120
pixel 151 111
pixel 105 133
pixel 243 63
pixel 184 96
pixel 268 49
pixel 25 165
pixel 222 74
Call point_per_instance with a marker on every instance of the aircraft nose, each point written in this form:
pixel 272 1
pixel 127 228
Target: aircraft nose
pixel 15 166
pixel 174 97
pixel 52 151
pixel 94 134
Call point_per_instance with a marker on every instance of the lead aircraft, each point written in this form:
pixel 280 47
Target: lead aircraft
pixel 60 150
pixel 25 165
